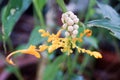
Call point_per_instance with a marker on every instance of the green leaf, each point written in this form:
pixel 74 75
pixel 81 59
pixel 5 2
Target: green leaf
pixel 53 68
pixel 92 41
pixel 108 12
pixel 35 39
pixel 11 13
pixel 40 4
pixel 62 5
pixel 107 24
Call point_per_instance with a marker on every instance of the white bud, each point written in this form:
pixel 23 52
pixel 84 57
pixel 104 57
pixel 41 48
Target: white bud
pixel 70 28
pixel 73 16
pixel 73 35
pixel 70 22
pixel 62 20
pixel 75 26
pixel 67 34
pixel 67 19
pixel 75 32
pixel 76 20
pixel 70 13
pixel 64 26
pixel 64 16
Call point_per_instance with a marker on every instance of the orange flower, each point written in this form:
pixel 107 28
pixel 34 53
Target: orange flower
pixel 31 50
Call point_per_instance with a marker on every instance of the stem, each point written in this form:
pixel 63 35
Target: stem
pixel 90 5
pixel 69 66
pixel 62 5
pixel 4 40
pixel 84 63
pixel 39 13
pixel 9 42
pixel 82 24
pixel 17 73
pixel 75 59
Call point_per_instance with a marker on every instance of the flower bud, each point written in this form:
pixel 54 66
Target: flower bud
pixel 70 28
pixel 73 16
pixel 70 13
pixel 76 20
pixel 70 22
pixel 67 34
pixel 64 26
pixel 64 16
pixel 75 26
pixel 62 20
pixel 75 32
pixel 67 19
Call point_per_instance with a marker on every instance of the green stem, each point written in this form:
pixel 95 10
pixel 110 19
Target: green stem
pixel 39 13
pixel 15 70
pixel 90 5
pixel 82 24
pixel 62 5
pixel 9 42
pixel 4 45
pixel 84 63
pixel 17 73
pixel 4 40
pixel 69 67
pixel 74 62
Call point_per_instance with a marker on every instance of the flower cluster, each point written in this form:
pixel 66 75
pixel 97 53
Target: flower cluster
pixel 66 44
pixel 70 22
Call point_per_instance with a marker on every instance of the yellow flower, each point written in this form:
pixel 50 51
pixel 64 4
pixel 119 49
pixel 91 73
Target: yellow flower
pixel 31 50
pixel 44 34
pixel 91 53
pixel 66 44
pixel 42 48
pixel 88 32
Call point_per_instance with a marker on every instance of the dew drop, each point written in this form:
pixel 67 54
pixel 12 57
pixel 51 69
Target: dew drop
pixel 12 11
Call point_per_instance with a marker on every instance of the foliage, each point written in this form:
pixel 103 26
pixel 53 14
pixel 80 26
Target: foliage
pixel 111 20
pixel 12 12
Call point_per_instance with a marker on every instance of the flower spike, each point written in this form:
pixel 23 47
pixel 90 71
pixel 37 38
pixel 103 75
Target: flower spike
pixel 66 44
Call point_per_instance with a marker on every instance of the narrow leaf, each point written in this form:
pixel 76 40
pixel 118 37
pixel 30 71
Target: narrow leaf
pixel 11 13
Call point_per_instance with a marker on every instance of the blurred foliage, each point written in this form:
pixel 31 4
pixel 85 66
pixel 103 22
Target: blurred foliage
pixel 53 68
pixel 110 21
pixel 34 39
pixel 11 14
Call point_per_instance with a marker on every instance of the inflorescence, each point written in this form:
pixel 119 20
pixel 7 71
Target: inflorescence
pixel 66 44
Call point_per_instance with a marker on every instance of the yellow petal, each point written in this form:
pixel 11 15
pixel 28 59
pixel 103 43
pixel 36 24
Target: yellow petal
pixel 88 32
pixel 58 33
pixel 41 30
pixel 31 50
pixel 43 33
pixel 97 54
pixel 43 48
pixel 51 48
